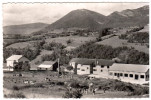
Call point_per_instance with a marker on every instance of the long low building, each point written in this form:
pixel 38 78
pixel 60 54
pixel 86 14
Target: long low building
pixel 133 73
pixel 48 65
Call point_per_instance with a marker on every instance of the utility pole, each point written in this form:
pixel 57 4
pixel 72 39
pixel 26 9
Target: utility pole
pixel 58 67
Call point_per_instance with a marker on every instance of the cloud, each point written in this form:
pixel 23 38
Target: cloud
pixel 21 13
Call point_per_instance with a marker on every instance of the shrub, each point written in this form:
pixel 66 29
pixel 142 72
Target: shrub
pixel 15 88
pixel 74 84
pixel 15 95
pixel 69 41
pixel 60 83
pixel 140 91
pixel 72 94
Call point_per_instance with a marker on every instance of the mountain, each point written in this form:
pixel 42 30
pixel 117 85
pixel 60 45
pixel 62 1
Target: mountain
pixel 24 28
pixel 128 17
pixel 80 18
pixel 86 19
pixel 83 18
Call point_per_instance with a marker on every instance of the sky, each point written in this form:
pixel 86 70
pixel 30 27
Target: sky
pixel 21 13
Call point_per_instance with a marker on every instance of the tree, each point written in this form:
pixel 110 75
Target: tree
pixel 69 41
pixel 69 68
pixel 26 66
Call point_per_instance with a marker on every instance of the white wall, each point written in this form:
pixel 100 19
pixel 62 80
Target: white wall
pixel 11 62
pixel 102 72
pixel 129 79
pixel 72 64
pixel 83 69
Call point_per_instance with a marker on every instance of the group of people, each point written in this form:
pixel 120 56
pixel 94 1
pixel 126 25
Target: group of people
pixel 92 88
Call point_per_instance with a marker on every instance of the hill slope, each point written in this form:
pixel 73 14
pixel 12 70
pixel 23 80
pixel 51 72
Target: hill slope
pixel 129 17
pixel 24 28
pixel 81 18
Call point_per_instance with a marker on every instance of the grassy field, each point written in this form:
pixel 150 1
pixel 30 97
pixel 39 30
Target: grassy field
pixel 146 29
pixel 76 40
pixel 20 45
pixel 44 89
pixel 116 42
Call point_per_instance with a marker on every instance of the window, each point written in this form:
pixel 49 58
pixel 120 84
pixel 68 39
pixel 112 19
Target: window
pixel 147 76
pixel 102 66
pixel 101 70
pixel 87 67
pixel 108 66
pixel 115 74
pixel 121 74
pixel 142 76
pixel 111 73
pixel 78 68
pixel 82 70
pixel 126 75
pixel 131 75
pixel 94 70
pixel 26 62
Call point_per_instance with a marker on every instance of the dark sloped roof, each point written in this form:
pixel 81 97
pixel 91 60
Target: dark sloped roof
pixel 86 61
pixel 105 62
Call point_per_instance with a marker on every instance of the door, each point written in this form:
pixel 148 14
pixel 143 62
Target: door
pixel 136 77
pixel 91 69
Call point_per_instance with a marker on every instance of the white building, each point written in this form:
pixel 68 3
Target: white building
pixel 48 65
pixel 90 66
pixel 101 68
pixel 132 73
pixel 12 60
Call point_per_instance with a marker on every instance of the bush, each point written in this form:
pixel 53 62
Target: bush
pixel 52 45
pixel 15 95
pixel 72 94
pixel 69 41
pixel 140 91
pixel 15 88
pixel 75 84
pixel 60 83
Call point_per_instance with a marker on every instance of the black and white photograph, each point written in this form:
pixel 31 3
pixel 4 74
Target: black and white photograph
pixel 75 50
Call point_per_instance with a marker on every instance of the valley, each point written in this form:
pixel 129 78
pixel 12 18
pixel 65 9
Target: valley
pixel 82 48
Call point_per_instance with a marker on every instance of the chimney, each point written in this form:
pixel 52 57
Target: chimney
pixel 96 62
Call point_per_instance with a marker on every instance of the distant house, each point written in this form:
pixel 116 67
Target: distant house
pixel 102 67
pixel 48 65
pixel 132 73
pixel 12 60
pixel 90 66
pixel 69 48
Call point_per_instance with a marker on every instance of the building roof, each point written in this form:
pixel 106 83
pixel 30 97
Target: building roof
pixel 129 67
pixel 14 57
pixel 47 64
pixel 86 61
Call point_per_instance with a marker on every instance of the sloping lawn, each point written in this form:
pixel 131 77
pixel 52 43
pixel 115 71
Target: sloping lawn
pixel 116 42
pixel 75 40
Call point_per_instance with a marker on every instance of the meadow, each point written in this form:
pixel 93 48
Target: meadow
pixel 33 84
pixel 116 42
